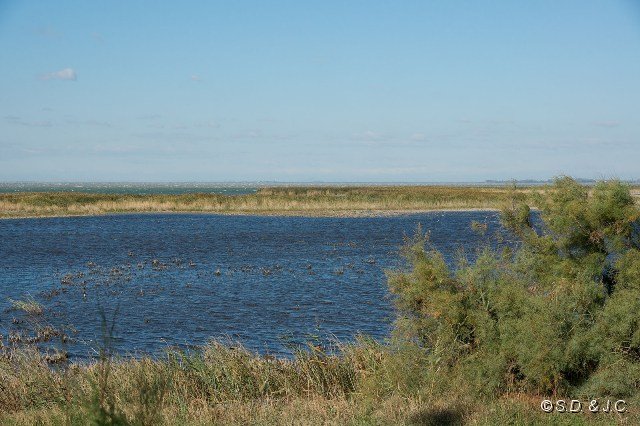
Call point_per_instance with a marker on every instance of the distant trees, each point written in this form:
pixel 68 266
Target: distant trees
pixel 559 314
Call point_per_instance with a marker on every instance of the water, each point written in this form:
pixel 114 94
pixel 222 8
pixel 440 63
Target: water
pixel 181 279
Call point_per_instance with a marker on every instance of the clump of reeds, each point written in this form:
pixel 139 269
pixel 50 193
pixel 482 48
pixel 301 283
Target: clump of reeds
pixel 28 305
pixel 139 389
pixel 367 383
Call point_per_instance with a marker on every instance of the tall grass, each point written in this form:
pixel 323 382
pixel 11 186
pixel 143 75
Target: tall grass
pixel 222 384
pixel 142 390
pixel 295 200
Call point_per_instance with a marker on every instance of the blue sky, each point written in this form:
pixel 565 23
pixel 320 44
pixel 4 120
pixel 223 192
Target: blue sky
pixel 329 91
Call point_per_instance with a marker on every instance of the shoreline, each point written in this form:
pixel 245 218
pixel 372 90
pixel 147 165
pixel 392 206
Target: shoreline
pixel 341 202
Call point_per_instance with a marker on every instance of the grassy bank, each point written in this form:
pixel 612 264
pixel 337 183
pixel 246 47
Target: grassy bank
pixel 331 201
pixel 367 384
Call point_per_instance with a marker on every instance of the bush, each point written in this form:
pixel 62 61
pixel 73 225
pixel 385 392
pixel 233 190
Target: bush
pixel 560 314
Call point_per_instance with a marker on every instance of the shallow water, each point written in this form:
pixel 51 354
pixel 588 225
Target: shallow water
pixel 181 279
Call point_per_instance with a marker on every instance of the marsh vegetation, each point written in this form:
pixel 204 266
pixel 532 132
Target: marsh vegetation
pixel 309 201
pixel 481 343
pixel 303 201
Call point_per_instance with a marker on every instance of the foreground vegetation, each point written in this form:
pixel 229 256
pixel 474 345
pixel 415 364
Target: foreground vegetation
pixel 558 317
pixel 366 384
pixel 313 201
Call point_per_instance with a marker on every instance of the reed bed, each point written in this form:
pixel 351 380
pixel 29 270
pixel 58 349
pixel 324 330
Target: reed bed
pixel 309 201
pixel 154 390
pixel 224 384
pixel 304 201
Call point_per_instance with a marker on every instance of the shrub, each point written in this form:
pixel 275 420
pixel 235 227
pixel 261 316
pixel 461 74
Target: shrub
pixel 559 314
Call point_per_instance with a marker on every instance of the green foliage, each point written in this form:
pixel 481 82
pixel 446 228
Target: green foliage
pixel 561 314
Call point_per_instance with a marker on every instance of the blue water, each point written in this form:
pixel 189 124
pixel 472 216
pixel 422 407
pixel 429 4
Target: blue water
pixel 181 279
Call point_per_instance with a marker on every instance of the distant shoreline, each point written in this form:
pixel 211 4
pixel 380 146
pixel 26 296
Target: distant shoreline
pixel 364 201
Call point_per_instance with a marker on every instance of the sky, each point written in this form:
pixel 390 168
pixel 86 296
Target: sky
pixel 366 91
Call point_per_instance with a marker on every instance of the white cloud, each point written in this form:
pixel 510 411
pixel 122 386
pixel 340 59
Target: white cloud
pixel 12 119
pixel 36 123
pixel 149 117
pixel 196 78
pixel 418 137
pixel 369 136
pixel 68 74
pixel 206 124
pixel 96 123
pixel 607 124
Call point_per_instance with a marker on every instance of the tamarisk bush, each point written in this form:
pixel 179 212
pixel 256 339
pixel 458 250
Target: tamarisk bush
pixel 558 314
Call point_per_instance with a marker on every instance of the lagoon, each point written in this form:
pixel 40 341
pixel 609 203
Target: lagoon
pixel 163 280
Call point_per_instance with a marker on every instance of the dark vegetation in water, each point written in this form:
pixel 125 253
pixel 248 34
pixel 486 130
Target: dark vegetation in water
pixel 481 343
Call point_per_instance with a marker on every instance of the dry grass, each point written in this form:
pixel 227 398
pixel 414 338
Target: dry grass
pixel 28 305
pixel 226 385
pixel 287 201
pixel 304 201
pixel 152 391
